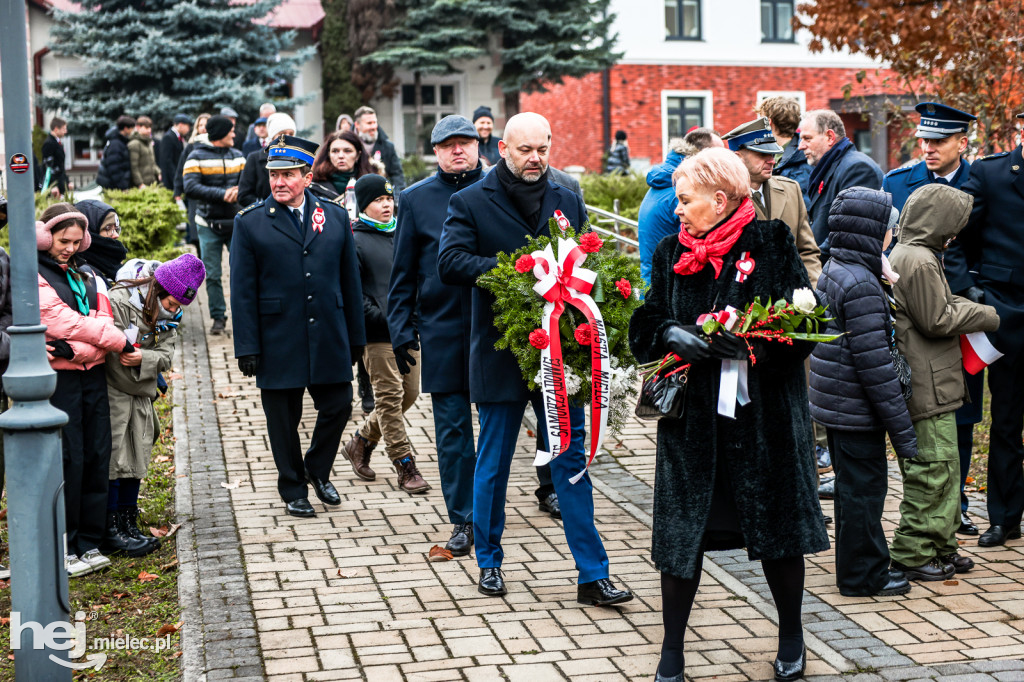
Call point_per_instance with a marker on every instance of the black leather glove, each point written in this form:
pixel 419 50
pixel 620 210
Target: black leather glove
pixel 248 364
pixel 976 294
pixel 61 349
pixel 129 347
pixel 356 353
pixel 403 358
pixel 686 344
pixel 727 346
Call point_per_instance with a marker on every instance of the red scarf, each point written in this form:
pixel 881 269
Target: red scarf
pixel 715 243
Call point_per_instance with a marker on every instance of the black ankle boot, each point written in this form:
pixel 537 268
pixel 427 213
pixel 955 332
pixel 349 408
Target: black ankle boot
pixel 129 520
pixel 116 541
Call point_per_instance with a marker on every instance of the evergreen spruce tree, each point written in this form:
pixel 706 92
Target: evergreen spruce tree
pixel 340 95
pixel 158 57
pixel 367 20
pixel 430 36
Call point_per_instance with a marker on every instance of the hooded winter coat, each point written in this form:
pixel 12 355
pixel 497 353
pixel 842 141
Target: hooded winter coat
pixel 657 218
pixel 762 458
pixel 105 254
pixel 143 160
pixel 929 318
pixel 116 167
pixel 853 384
pixel 132 390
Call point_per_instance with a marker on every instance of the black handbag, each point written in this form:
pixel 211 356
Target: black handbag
pixel 662 396
pixel 902 367
pixel 222 227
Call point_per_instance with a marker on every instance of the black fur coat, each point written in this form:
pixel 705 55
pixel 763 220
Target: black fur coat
pixel 768 449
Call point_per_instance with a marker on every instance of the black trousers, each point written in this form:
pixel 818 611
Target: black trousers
pixel 85 441
pixel 1006 448
pixel 862 554
pixel 283 408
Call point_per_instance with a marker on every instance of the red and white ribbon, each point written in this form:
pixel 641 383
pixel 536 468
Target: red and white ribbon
pixel 978 352
pixel 562 281
pixel 744 266
pixel 733 386
pixel 318 220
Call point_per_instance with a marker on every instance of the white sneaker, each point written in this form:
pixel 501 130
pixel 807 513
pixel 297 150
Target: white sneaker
pixel 5 573
pixel 95 559
pixel 76 567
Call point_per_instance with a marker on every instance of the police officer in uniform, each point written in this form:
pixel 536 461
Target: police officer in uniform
pixel 298 308
pixel 985 265
pixel 943 135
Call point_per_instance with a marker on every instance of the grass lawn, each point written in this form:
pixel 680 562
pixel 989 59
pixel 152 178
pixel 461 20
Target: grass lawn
pixel 118 603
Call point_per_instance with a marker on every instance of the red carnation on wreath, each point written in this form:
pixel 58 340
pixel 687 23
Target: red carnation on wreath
pixel 525 263
pixel 625 288
pixel 539 339
pixel 582 334
pixel 591 242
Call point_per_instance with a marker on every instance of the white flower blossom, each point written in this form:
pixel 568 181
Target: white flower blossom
pixel 804 301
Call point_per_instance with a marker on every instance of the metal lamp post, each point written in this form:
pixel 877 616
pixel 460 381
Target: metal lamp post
pixel 32 442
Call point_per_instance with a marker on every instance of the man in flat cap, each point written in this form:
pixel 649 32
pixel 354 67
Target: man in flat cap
pixel 943 139
pixel 984 264
pixel 298 308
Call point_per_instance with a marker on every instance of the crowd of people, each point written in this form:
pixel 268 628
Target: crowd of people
pixel 336 264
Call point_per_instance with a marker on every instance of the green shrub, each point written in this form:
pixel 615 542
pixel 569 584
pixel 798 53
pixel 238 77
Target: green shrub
pixel 602 191
pixel 149 219
pixel 415 169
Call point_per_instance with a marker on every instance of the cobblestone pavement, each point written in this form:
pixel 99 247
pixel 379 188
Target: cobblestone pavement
pixel 350 594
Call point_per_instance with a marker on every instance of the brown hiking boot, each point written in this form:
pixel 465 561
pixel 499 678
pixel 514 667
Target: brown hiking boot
pixel 409 478
pixel 357 452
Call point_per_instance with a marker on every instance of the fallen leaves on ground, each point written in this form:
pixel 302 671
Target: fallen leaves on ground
pixel 951 582
pixel 145 577
pixel 349 574
pixel 173 376
pixel 169 565
pixel 158 532
pixel 438 553
pixel 169 628
pixel 229 486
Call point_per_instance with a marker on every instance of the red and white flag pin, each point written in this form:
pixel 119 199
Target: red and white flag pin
pixel 744 266
pixel 978 352
pixel 318 219
pixel 563 222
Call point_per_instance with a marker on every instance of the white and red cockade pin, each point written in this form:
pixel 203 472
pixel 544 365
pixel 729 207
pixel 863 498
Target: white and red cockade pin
pixel 318 219
pixel 744 266
pixel 563 222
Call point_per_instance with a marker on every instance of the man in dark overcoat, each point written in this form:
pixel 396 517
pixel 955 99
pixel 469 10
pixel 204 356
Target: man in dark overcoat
pixel 942 132
pixel 985 264
pixel 298 307
pixel 495 215
pixel 172 144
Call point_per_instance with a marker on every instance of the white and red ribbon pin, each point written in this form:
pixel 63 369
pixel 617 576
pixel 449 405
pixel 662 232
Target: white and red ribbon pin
pixel 744 266
pixel 318 219
pixel 563 222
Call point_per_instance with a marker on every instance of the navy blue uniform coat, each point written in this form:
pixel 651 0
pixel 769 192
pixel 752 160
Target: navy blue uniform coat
pixel 902 182
pixel 296 301
pixel 987 253
pixel 853 169
pixel 482 222
pixel 418 302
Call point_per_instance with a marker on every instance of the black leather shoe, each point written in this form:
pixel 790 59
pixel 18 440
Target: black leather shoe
pixel 462 539
pixel 325 490
pixel 960 563
pixel 898 584
pixel 932 571
pixel 551 505
pixel 791 670
pixel 301 508
pixel 601 593
pixel 827 489
pixel 658 677
pixel 967 527
pixel 491 583
pixel 827 519
pixel 998 535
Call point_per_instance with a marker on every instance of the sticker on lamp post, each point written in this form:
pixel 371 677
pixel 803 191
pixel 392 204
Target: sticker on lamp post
pixel 19 163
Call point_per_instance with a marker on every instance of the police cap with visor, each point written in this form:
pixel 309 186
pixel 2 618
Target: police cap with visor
pixel 754 135
pixel 939 121
pixel 291 152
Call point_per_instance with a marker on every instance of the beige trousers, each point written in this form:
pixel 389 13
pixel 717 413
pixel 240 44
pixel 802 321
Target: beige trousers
pixel 393 394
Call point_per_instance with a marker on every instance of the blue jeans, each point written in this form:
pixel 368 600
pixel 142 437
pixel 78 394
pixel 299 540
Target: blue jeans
pixel 210 246
pixel 456 454
pixel 499 430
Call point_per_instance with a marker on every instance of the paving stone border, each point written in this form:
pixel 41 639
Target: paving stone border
pixel 219 640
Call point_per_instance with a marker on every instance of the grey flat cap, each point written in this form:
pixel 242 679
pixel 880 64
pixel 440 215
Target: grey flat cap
pixel 228 111
pixel 453 126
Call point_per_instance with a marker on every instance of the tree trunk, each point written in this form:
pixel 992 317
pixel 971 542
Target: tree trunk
pixel 417 80
pixel 511 104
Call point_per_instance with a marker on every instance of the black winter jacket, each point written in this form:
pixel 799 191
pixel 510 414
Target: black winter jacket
pixel 255 181
pixel 853 383
pixel 116 167
pixel 375 251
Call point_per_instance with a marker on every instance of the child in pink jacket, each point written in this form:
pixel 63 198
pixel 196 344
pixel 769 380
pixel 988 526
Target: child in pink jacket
pixel 80 331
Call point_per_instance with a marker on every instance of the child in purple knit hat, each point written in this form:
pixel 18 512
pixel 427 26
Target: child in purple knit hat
pixel 148 309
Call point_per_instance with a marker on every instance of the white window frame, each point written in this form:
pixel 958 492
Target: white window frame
pixel 459 80
pixel 709 111
pixel 798 95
